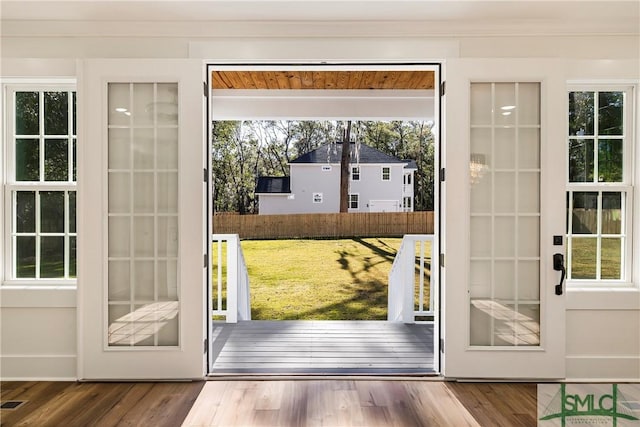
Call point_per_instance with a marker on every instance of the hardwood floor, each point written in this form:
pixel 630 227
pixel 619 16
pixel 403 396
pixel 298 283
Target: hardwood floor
pixel 98 404
pixel 296 403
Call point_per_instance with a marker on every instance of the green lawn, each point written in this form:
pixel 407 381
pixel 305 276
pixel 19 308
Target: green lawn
pixel 319 279
pixel 583 261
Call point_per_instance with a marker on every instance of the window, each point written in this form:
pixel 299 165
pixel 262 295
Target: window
pixel 317 197
pixel 354 201
pixel 326 168
pixel 386 173
pixel 406 203
pixel 41 183
pixel 355 173
pixel 407 179
pixel 599 188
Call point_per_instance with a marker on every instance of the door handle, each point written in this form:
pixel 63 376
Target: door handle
pixel 558 265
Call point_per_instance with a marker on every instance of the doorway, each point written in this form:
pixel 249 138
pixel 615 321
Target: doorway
pixel 337 92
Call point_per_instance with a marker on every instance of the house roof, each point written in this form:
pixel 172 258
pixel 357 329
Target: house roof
pixel 411 164
pixel 332 154
pixel 273 185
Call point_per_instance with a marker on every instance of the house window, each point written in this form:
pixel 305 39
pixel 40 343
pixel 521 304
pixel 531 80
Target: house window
pixel 354 201
pixel 317 197
pixel 41 183
pixel 599 187
pixel 407 179
pixel 386 173
pixel 326 168
pixel 406 203
pixel 355 173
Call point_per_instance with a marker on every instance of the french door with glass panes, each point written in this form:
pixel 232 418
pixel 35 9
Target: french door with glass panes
pixel 141 220
pixel 505 202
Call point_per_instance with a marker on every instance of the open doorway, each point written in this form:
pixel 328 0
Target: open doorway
pixel 374 112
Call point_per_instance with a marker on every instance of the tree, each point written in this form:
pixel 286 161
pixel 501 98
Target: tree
pixel 344 168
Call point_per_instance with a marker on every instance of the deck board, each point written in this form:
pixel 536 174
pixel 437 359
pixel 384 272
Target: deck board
pixel 312 347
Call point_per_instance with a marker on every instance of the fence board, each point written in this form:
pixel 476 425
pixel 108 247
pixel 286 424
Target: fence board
pixel 333 225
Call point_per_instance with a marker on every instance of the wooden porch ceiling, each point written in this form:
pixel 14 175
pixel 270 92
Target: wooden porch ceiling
pixel 294 79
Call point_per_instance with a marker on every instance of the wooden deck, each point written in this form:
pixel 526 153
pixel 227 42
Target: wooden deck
pixel 322 347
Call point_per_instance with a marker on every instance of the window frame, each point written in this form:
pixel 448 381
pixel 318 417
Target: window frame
pixel 626 188
pixel 355 173
pixel 10 186
pixel 357 201
pixel 388 178
pixel 407 203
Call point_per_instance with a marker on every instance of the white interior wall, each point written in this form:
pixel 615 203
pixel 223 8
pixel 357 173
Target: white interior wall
pixel 38 334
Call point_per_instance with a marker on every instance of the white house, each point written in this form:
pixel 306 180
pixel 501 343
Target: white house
pixel 377 183
pixel 139 79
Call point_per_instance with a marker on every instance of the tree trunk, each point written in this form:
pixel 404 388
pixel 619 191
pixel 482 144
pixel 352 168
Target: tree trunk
pixel 344 169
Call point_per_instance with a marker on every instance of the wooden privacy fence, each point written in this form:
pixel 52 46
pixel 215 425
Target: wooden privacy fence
pixel 333 225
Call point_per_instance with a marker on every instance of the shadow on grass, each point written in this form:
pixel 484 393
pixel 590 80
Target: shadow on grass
pixel 367 296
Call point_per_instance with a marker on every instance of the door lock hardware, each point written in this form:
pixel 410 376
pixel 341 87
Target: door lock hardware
pixel 558 265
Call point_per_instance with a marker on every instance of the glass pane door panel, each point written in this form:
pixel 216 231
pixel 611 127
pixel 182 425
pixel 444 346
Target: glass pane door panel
pixel 143 215
pixel 505 148
pixel 505 214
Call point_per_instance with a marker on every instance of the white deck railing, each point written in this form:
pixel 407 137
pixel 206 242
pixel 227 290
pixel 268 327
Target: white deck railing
pixel 410 280
pixel 230 291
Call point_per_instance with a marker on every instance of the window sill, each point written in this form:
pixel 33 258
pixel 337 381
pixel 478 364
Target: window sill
pixel 38 296
pixel 603 298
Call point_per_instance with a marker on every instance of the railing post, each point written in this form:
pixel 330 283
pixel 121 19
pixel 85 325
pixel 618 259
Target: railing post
pixel 408 282
pixel 232 279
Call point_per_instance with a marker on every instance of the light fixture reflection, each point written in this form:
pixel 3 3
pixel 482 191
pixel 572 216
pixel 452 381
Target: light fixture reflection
pixel 477 167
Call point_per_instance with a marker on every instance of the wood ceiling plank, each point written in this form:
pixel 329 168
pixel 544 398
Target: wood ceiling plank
pixel 319 79
pixel 218 82
pixel 368 80
pixel 295 79
pixel 233 79
pixel 247 80
pixel 258 80
pixel 307 79
pixel 331 80
pixel 283 80
pixel 391 80
pixel 343 80
pixel 355 79
pixel 415 79
pixel 403 79
pixel 426 80
pixel 270 79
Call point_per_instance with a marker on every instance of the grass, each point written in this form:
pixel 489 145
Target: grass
pixel 342 279
pixel 583 261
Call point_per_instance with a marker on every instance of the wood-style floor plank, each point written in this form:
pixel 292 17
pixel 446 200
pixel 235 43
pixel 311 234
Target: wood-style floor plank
pixel 498 404
pixel 282 403
pixel 71 404
pixel 311 403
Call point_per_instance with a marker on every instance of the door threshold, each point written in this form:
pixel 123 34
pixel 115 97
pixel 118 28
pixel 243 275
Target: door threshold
pixel 324 376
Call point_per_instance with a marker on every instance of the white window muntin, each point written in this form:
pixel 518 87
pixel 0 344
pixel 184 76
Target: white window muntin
pixel 625 188
pixel 41 185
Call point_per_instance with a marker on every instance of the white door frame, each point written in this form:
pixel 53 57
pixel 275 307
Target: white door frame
pixel 303 110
